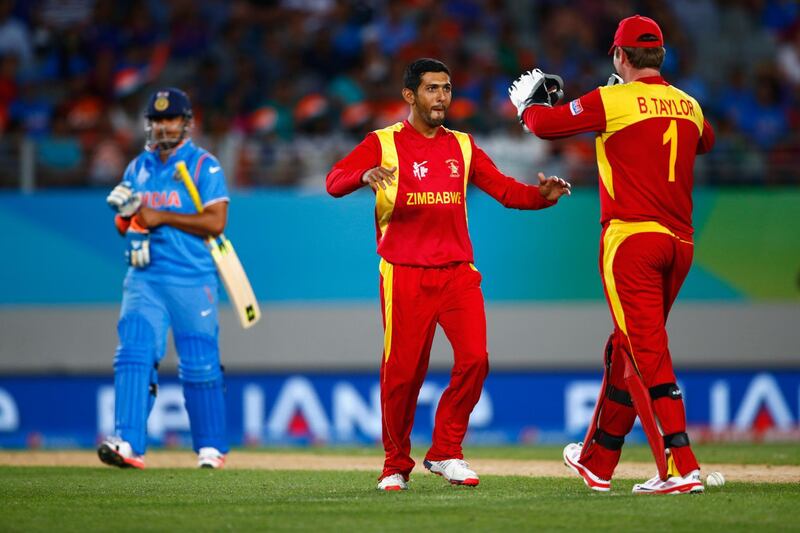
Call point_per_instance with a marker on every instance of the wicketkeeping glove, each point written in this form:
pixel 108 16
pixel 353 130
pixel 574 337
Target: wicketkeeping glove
pixel 614 79
pixel 137 252
pixel 535 88
pixel 123 200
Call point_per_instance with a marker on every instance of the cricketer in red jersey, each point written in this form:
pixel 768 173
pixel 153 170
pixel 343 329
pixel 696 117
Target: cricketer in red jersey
pixel 419 171
pixel 648 133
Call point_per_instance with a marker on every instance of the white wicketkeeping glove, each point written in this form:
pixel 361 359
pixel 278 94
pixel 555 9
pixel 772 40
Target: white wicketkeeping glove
pixel 535 88
pixel 523 87
pixel 124 201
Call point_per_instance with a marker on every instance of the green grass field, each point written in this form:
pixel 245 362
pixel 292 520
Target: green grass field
pixel 106 499
pixel 767 453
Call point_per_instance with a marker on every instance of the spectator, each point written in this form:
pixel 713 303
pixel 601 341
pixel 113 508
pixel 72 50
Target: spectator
pixel 249 66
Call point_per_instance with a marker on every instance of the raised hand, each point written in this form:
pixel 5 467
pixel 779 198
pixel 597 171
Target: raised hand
pixel 123 200
pixel 535 88
pixel 553 187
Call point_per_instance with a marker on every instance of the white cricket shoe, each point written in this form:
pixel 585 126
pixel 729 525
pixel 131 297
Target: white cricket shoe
pixel 210 458
pixel 456 471
pixel 572 454
pixel 688 484
pixel 393 482
pixel 117 452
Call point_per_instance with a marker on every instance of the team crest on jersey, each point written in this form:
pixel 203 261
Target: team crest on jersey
pixel 142 176
pixel 575 107
pixel 420 170
pixel 455 171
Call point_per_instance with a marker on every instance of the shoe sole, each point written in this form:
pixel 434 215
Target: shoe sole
pixel 211 465
pixel 111 457
pixel 469 482
pixel 694 488
pixel 392 488
pixel 588 481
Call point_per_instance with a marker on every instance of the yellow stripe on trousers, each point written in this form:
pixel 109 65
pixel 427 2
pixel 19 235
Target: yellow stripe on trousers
pixel 387 272
pixel 615 235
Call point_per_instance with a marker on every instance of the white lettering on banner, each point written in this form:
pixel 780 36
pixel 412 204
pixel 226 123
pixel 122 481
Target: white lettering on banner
pixel 168 414
pixel 253 413
pixel 483 413
pixel 481 416
pixel 430 393
pixel 579 401
pixel 763 390
pixel 9 414
pixel 719 403
pixel 352 415
pixel 105 410
pixel 298 397
pixel 351 411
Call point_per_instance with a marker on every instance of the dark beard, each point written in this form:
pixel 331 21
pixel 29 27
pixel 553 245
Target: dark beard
pixel 434 123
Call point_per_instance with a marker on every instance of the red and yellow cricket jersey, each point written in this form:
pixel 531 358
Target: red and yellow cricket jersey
pixel 648 133
pixel 421 218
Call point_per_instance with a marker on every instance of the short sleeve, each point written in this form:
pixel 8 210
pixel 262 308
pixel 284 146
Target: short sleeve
pixel 210 180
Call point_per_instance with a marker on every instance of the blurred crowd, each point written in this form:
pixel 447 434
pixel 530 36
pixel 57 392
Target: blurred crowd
pixel 283 88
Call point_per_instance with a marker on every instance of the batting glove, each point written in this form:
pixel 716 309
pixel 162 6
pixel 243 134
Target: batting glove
pixel 535 88
pixel 138 251
pixel 124 201
pixel 614 79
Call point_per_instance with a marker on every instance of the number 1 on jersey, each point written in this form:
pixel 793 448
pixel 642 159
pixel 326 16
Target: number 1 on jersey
pixel 671 137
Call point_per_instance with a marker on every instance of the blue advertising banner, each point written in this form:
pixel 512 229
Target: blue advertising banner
pixel 280 409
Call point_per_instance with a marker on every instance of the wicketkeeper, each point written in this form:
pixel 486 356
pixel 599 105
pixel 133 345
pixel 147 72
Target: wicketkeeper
pixel 171 282
pixel 648 133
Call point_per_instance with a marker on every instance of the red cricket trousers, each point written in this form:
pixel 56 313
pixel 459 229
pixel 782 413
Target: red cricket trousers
pixel 414 300
pixel 643 266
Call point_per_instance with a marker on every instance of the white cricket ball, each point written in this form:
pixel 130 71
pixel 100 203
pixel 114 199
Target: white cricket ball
pixel 715 479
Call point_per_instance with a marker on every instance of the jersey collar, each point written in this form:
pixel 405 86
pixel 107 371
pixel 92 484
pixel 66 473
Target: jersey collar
pixel 653 80
pixel 181 153
pixel 439 131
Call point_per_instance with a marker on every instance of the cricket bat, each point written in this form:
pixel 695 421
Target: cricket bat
pixel 229 267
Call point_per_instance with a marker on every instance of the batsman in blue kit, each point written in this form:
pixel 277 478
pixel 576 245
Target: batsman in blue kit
pixel 171 282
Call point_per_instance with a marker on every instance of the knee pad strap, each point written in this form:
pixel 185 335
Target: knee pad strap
pixel 619 396
pixel 608 441
pixel 666 390
pixel 676 440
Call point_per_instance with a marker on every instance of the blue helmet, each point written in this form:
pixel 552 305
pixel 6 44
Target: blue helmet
pixel 169 102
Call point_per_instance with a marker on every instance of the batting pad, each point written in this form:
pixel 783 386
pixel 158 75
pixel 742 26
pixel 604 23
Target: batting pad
pixel 134 381
pixel 205 403
pixel 203 390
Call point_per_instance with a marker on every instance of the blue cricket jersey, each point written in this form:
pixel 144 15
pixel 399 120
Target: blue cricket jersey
pixel 177 257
